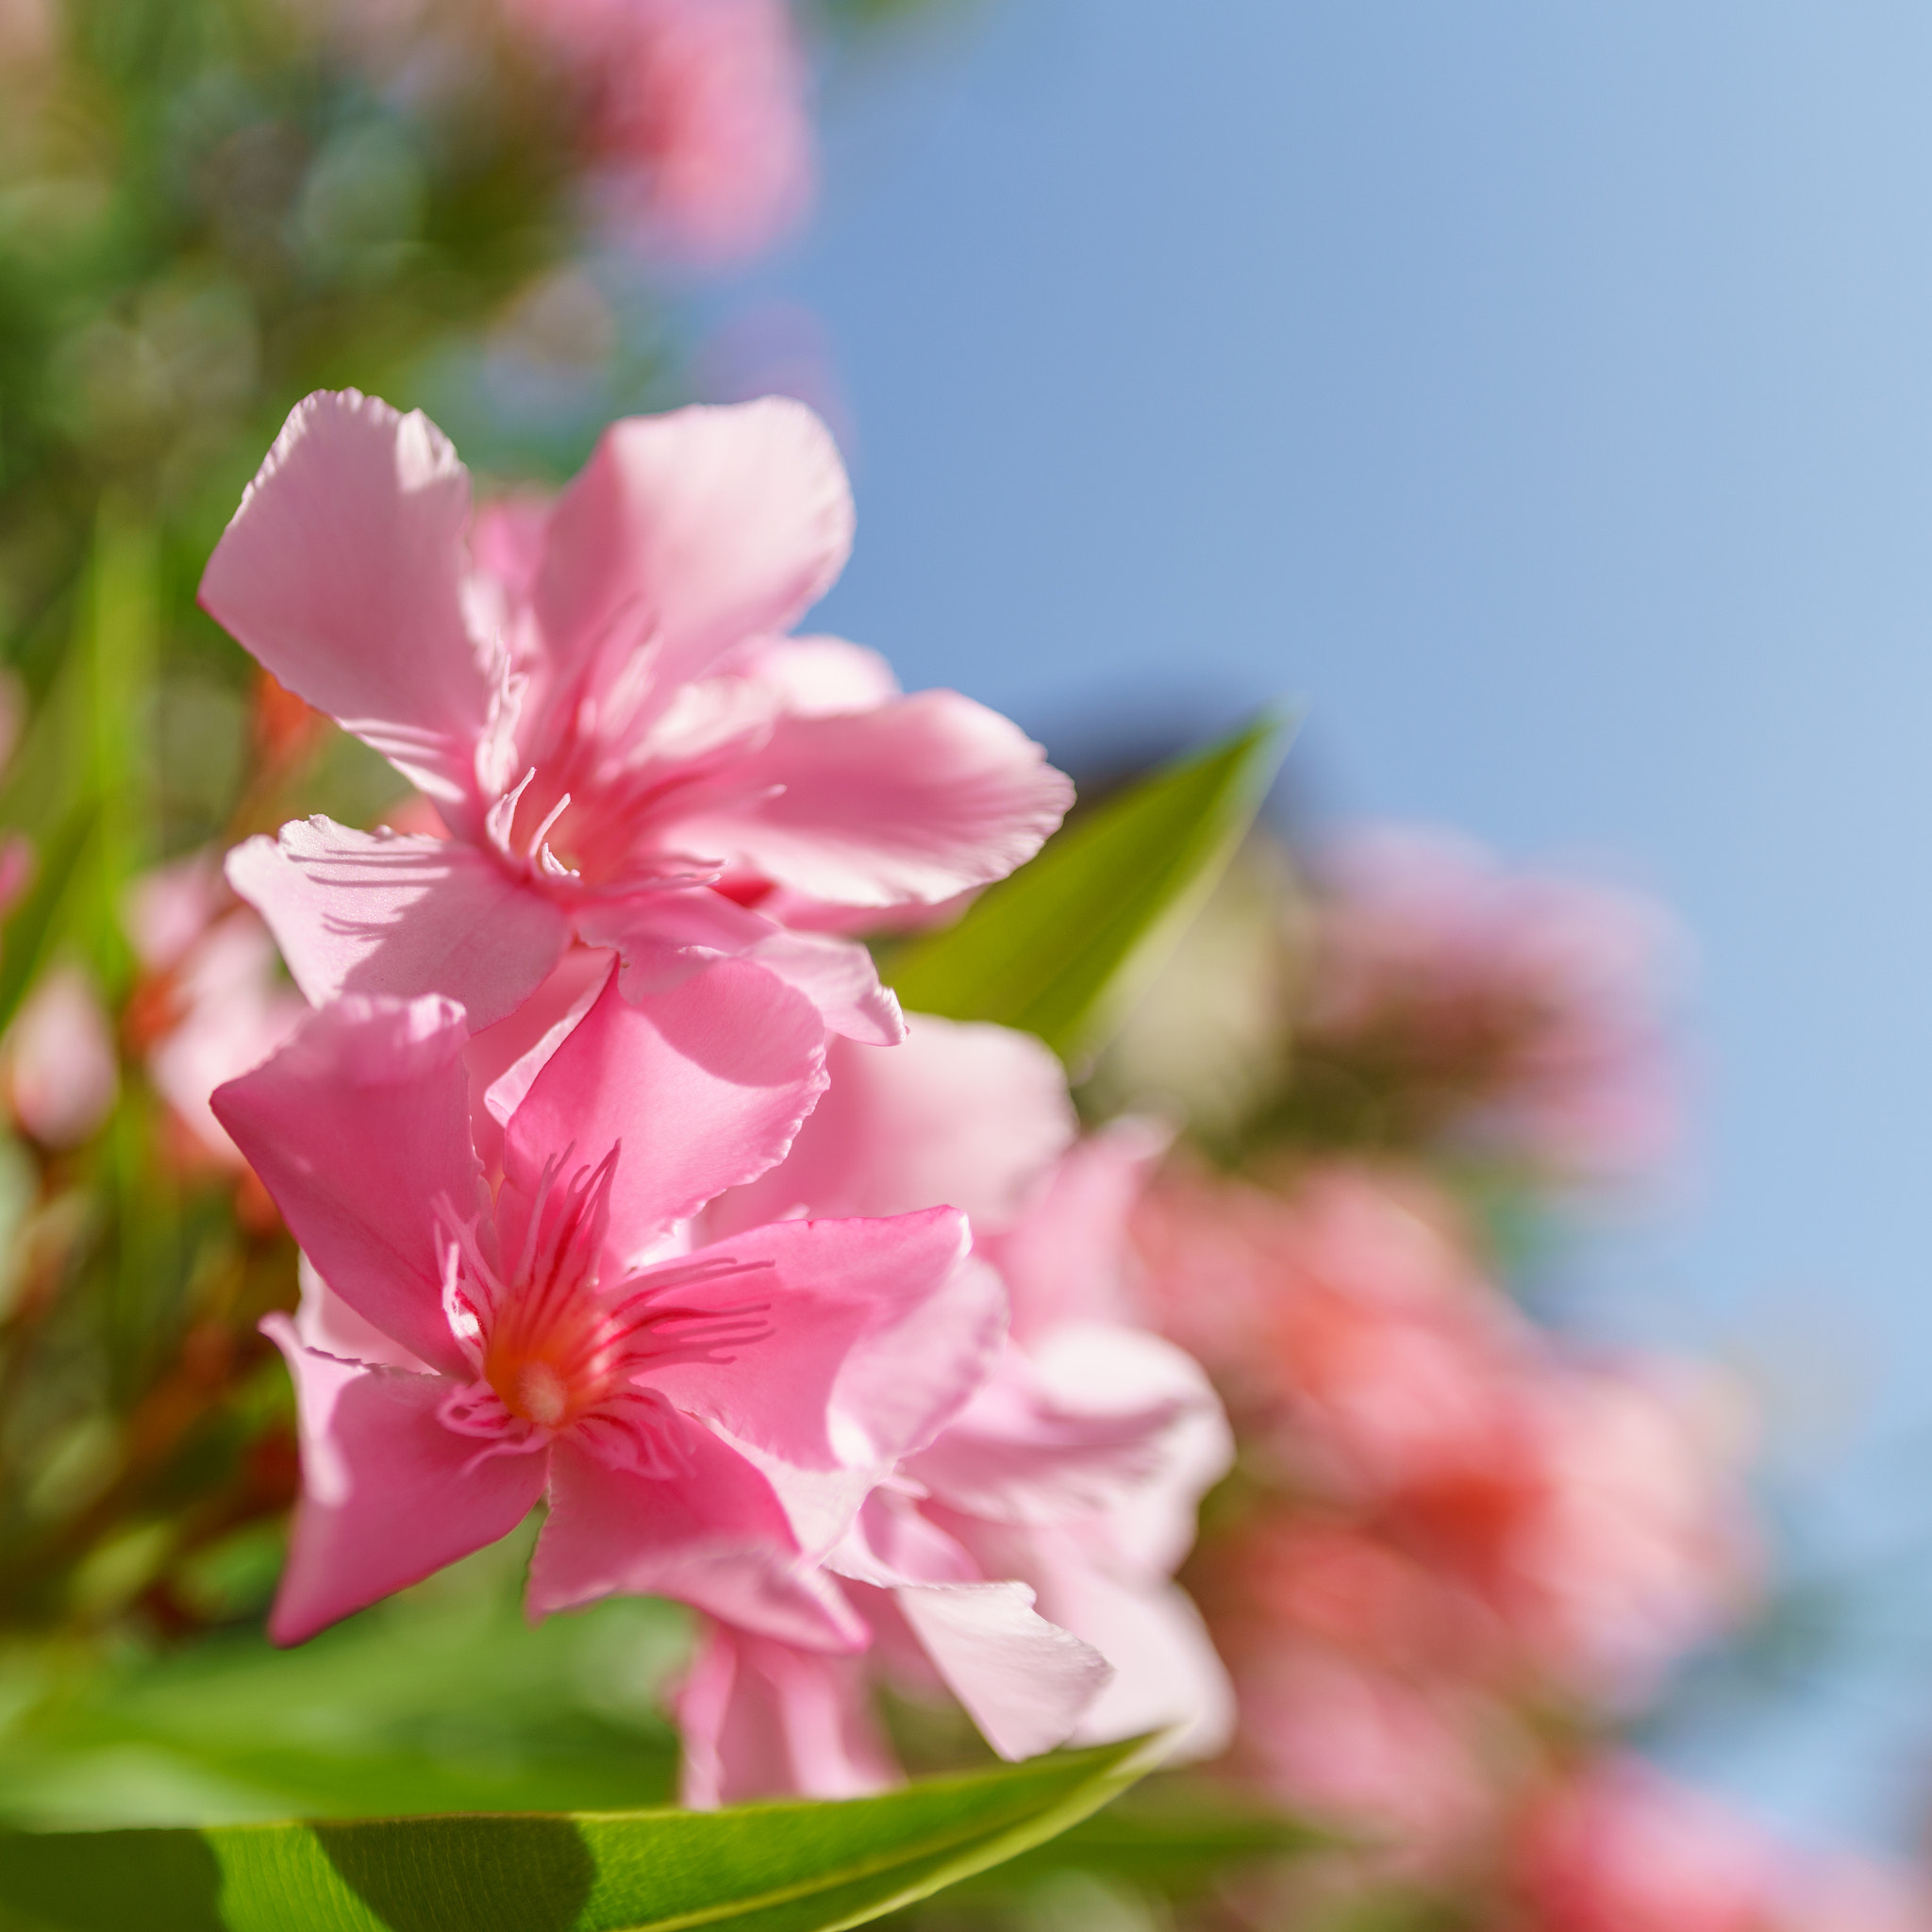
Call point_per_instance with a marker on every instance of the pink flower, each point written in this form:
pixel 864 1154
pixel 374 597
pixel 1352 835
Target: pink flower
pixel 1514 1012
pixel 216 1008
pixel 1022 1558
pixel 1620 1848
pixel 696 112
pixel 58 1064
pixel 521 1315
pixel 598 698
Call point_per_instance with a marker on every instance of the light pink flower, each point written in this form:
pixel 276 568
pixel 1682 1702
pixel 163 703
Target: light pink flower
pixel 598 698
pixel 695 109
pixel 1516 1012
pixel 216 1006
pixel 58 1063
pixel 1022 1559
pixel 505 1214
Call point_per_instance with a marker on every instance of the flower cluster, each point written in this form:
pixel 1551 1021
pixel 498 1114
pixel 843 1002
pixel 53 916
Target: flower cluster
pixel 620 1183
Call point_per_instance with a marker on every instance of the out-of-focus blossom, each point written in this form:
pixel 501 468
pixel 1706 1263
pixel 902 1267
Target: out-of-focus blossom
pixel 1022 1559
pixel 58 1060
pixel 704 1423
pixel 694 110
pixel 1450 999
pixel 211 1005
pixel 1620 1848
pixel 1595 1505
pixel 27 35
pixel 597 698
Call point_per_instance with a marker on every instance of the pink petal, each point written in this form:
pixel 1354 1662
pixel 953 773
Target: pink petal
pixel 389 1495
pixel 820 677
pixel 711 1535
pixel 701 1088
pixel 910 803
pixel 763 1720
pixel 326 1323
pixel 962 1116
pixel 341 573
pixel 385 912
pixel 695 530
pixel 1024 1681
pixel 57 1064
pixel 842 1298
pixel 1066 1259
pixel 357 1128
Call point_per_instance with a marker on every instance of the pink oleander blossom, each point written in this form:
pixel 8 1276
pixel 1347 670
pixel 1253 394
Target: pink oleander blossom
pixel 212 1005
pixel 504 1303
pixel 694 112
pixel 1022 1559
pixel 58 1062
pixel 1515 1012
pixel 598 697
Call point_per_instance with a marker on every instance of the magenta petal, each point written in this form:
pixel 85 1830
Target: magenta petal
pixel 971 1117
pixel 711 1535
pixel 698 530
pixel 836 1294
pixel 763 1720
pixel 389 1495
pixel 1024 1681
pixel 341 573
pixel 909 803
pixel 701 1087
pixel 384 912
pixel 357 1127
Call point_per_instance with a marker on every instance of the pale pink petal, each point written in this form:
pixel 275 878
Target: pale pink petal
pixel 389 1495
pixel 701 1087
pixel 357 1128
pixel 912 801
pixel 664 937
pixel 962 1116
pixel 385 912
pixel 692 532
pixel 1065 1259
pixel 830 1291
pixel 1024 1681
pixel 820 678
pixel 710 1534
pixel 326 1323
pixel 893 1540
pixel 341 573
pixel 764 1719
pixel 58 1064
pixel 167 909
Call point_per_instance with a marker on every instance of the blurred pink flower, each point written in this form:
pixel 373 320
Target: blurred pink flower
pixel 58 1063
pixel 704 1422
pixel 1517 1011
pixel 696 112
pixel 597 698
pixel 1620 1848
pixel 1021 1559
pixel 212 1005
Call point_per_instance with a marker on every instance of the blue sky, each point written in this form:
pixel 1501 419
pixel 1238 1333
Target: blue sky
pixel 1542 392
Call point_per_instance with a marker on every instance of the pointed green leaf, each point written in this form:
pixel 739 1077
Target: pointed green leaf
pixel 762 1868
pixel 1066 946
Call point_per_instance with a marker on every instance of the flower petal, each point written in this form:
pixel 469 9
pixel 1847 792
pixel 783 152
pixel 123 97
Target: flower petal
pixel 765 1720
pixel 971 1117
pixel 356 1127
pixel 844 1301
pixel 386 912
pixel 697 530
pixel 1024 1681
pixel 911 803
pixel 389 1495
pixel 701 1087
pixel 341 573
pixel 712 1535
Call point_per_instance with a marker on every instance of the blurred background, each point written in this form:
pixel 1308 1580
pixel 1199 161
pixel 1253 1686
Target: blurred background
pixel 1538 397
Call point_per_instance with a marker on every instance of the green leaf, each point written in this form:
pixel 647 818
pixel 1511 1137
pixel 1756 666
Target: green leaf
pixel 762 1868
pixel 1066 946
